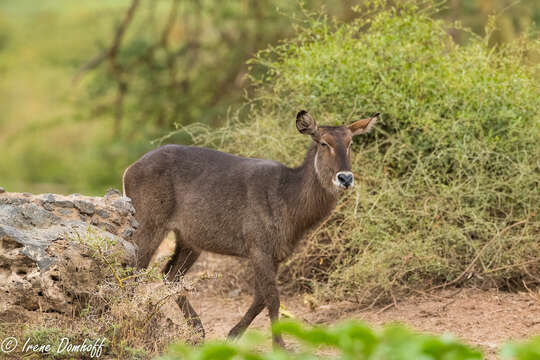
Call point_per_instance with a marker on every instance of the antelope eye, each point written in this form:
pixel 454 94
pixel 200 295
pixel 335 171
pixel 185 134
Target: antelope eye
pixel 323 144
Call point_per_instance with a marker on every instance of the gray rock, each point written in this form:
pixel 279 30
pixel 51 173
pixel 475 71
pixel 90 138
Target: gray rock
pixel 47 206
pixel 65 211
pixel 14 201
pixel 2 190
pixel 26 215
pixel 103 213
pixel 40 250
pixel 37 216
pixel 126 234
pixel 33 244
pixel 106 226
pixel 134 223
pixel 112 193
pixel 85 207
pixel 64 203
pixel 47 198
pixel 124 206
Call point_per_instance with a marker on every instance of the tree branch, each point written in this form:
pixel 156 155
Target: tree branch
pixel 113 49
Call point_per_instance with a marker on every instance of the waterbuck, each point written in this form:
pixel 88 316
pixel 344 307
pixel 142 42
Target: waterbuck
pixel 251 208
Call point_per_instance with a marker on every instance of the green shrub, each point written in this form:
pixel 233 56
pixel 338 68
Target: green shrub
pixel 348 340
pixel 447 187
pixel 528 350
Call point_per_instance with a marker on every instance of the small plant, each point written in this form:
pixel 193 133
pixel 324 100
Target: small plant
pixel 108 251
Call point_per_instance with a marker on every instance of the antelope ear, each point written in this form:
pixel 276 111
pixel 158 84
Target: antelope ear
pixel 363 126
pixel 306 124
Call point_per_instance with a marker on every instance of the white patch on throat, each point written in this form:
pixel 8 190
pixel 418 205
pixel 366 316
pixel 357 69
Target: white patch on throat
pixel 316 160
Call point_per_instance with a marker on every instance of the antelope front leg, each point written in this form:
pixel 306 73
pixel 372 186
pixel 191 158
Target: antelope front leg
pixel 265 278
pixel 255 309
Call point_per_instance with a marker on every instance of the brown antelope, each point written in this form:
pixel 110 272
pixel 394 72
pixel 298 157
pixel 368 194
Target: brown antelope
pixel 251 208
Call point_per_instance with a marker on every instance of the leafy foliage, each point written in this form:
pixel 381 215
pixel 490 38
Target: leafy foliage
pixel 528 350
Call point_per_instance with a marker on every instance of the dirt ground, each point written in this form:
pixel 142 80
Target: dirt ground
pixel 484 319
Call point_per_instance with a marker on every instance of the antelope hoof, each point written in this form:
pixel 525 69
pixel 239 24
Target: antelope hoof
pixel 197 327
pixel 235 333
pixel 278 343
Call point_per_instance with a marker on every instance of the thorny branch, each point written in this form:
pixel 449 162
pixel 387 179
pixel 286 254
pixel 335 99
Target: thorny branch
pixel 478 255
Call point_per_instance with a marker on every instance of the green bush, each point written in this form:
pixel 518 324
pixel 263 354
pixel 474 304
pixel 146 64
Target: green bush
pixel 348 340
pixel 448 181
pixel 529 350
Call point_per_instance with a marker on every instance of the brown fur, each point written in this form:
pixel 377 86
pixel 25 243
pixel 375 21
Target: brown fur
pixel 250 208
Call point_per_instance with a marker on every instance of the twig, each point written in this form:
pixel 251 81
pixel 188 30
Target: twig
pixel 133 276
pixel 445 306
pixel 157 307
pixel 531 293
pixel 113 49
pixel 373 302
pixel 385 308
pixel 393 298
pixel 531 275
pixel 478 256
pixel 512 265
pixel 437 296
pixel 173 14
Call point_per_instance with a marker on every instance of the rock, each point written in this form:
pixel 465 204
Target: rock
pixel 13 201
pixel 48 198
pixel 64 203
pixel 84 206
pixel 65 212
pixel 2 190
pixel 44 248
pixel 127 233
pixel 103 214
pixel 123 205
pixel 25 215
pixel 134 223
pixel 107 227
pixel 47 206
pixel 112 193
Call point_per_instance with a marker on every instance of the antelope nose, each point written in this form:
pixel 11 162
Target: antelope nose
pixel 345 178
